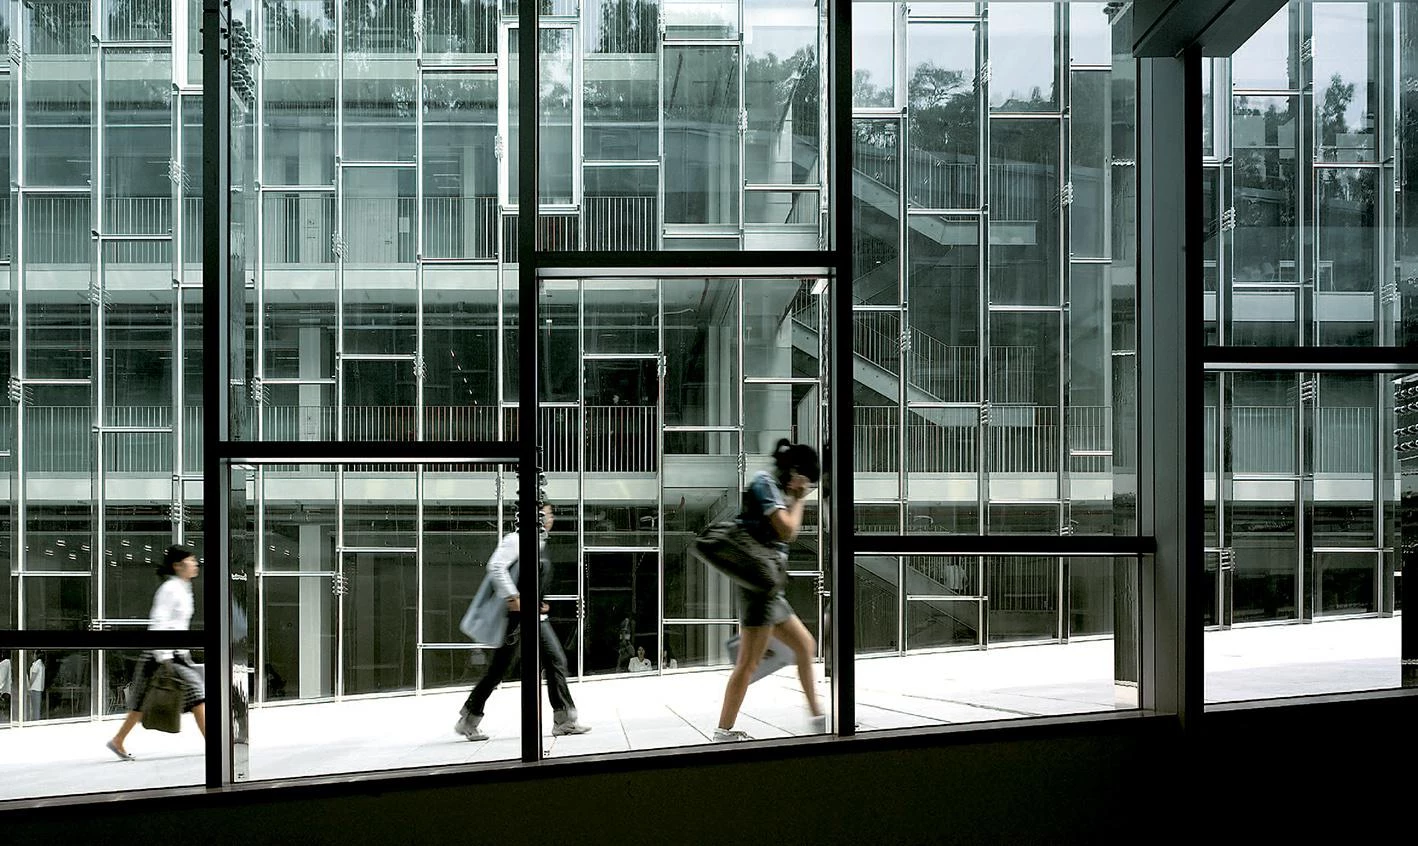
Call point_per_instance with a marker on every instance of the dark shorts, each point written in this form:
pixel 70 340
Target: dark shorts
pixel 763 608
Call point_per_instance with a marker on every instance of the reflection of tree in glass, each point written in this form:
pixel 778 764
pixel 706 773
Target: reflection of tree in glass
pixel 138 20
pixel 1265 177
pixel 300 26
pixel 942 108
pixel 794 87
pixel 866 93
pixel 1333 124
pixel 381 26
pixel 627 26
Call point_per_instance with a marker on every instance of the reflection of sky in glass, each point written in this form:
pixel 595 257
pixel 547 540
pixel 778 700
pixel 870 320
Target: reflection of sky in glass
pixel 872 51
pixel 1341 48
pixel 1021 52
pixel 1090 35
pixel 1263 61
pixel 779 27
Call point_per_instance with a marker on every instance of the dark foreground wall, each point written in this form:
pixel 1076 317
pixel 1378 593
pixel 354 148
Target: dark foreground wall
pixel 1252 774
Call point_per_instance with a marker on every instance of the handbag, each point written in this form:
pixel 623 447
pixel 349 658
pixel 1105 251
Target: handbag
pixel 775 657
pixel 162 702
pixel 726 547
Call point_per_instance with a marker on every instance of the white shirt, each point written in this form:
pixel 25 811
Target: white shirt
pixel 5 675
pixel 37 676
pixel 639 665
pixel 171 612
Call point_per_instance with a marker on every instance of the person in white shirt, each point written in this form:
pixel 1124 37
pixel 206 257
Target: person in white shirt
pixel 640 664
pixel 5 689
pixel 667 661
pixel 36 687
pixel 172 611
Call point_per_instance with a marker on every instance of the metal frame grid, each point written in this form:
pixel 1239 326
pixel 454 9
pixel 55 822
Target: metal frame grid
pixel 1170 421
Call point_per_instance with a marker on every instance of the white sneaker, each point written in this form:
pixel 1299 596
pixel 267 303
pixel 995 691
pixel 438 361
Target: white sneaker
pixel 818 724
pixel 729 736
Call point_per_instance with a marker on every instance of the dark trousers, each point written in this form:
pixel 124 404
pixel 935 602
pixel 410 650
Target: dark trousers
pixel 553 666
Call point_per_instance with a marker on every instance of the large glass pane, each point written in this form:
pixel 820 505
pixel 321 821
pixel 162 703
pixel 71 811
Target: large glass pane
pixel 460 166
pixel 701 326
pixel 621 208
pixel 1089 164
pixel 944 289
pixel 137 142
pixel 1347 77
pixel 702 177
pixel 876 211
pixel 57 90
pixel 1024 212
pixel 299 79
pixel 1268 60
pixel 459 31
pixel 874 55
pixel 41 756
pixel 782 144
pixel 942 102
pixel 949 604
pixel 557 70
pixel 1024 51
pixel 1090 33
pixel 1266 204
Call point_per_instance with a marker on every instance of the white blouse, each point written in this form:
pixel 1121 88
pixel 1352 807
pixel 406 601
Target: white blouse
pixel 171 612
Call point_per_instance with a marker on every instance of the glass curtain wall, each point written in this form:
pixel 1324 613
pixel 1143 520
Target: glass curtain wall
pixel 1303 237
pixel 993 370
pixel 992 328
pixel 100 434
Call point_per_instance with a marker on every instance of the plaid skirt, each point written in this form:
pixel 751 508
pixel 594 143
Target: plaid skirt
pixel 191 678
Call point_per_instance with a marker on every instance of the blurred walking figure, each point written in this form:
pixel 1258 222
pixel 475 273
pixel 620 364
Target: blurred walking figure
pixel 488 621
pixel 772 514
pixel 171 612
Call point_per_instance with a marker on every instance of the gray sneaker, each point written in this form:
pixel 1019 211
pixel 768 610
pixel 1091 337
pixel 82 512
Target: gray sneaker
pixel 564 723
pixel 729 735
pixel 467 725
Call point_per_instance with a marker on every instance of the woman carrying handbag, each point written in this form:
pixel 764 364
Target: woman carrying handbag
pixel 172 611
pixel 771 516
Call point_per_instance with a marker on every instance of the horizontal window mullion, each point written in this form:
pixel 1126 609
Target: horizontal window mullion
pixel 1051 546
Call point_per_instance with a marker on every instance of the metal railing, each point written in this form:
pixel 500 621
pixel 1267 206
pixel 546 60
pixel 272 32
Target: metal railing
pixel 623 439
pixel 59 228
pixel 460 26
pixel 621 223
pixel 460 227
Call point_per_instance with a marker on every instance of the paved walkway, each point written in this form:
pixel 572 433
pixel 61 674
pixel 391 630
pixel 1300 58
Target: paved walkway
pixel 681 709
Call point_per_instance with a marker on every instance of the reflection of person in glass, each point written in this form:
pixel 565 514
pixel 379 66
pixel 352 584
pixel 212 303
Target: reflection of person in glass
pixel 772 514
pixel 496 599
pixel 640 664
pixel 172 611
pixel 5 688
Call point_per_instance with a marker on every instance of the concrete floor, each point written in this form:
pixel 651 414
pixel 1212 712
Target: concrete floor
pixel 681 709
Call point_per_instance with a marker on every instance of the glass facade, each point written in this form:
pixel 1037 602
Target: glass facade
pixel 1304 248
pixel 375 267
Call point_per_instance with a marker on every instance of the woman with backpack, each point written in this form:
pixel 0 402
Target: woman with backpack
pixel 772 514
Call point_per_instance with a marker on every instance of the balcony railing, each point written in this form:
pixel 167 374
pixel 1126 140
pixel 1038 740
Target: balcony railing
pixel 621 223
pixel 622 439
pixel 59 227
